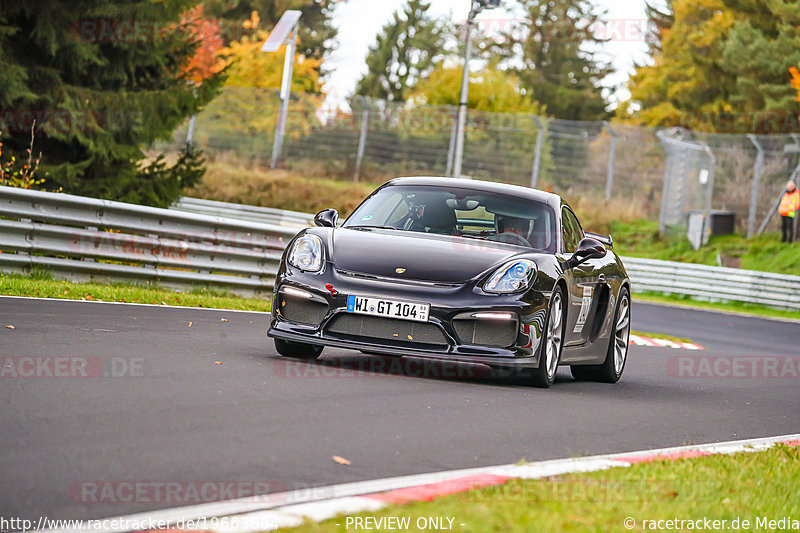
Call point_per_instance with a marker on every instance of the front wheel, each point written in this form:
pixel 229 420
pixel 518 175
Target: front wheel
pixel 617 354
pixel 552 342
pixel 298 350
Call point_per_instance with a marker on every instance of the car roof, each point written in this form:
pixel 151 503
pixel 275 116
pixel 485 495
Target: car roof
pixel 551 199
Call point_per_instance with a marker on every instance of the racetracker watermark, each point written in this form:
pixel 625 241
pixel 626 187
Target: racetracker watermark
pixel 70 367
pixel 500 29
pixel 734 366
pixel 194 492
pixel 378 367
pixel 591 490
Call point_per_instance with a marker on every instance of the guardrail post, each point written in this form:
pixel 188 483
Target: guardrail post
pixel 362 138
pixel 751 218
pixel 610 173
pixel 537 158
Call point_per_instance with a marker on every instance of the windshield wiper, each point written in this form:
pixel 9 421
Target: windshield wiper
pixel 371 227
pixel 468 236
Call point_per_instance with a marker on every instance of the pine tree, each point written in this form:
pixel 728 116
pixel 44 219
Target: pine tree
pixel 103 80
pixel 660 21
pixel 558 58
pixel 760 49
pixel 404 52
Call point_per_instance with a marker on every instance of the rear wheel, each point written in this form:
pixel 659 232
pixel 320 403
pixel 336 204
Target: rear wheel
pixel 552 342
pixel 298 350
pixel 617 354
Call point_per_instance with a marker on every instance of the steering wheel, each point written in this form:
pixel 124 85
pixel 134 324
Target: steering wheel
pixel 510 238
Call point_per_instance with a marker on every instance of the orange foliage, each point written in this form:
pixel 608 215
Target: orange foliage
pixel 795 81
pixel 206 60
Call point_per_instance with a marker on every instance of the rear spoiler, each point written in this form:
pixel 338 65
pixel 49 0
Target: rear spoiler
pixel 605 239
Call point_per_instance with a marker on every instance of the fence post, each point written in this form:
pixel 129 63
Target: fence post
pixel 751 218
pixel 537 159
pixel 451 149
pixel 610 173
pixel 709 194
pixel 667 178
pixel 362 138
pixel 190 133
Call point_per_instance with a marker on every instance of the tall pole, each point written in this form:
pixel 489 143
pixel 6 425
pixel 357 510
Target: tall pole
pixel 286 89
pixel 462 103
pixel 612 150
pixel 537 158
pixel 751 217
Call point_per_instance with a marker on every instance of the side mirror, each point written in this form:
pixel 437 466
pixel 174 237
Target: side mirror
pixel 588 248
pixel 327 218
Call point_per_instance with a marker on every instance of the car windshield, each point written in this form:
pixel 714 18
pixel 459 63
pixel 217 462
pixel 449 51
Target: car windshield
pixel 462 212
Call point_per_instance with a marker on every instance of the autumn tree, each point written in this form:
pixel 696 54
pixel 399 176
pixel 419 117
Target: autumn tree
pixel 245 114
pixel 490 89
pixel 404 52
pixel 103 80
pixel 317 33
pixel 723 66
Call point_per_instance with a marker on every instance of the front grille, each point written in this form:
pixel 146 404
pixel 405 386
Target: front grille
pixel 301 310
pixel 387 329
pixel 486 332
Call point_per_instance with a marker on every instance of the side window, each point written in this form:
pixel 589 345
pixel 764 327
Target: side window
pixel 570 230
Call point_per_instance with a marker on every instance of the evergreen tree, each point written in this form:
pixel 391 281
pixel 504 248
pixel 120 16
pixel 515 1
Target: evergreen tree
pixel 404 52
pixel 760 49
pixel 660 21
pixel 557 57
pixel 103 80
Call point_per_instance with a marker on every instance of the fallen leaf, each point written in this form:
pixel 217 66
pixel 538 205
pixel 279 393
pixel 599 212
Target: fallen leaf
pixel 217 362
pixel 341 460
pixel 190 323
pixel 223 319
pixel 89 297
pixel 10 327
pixel 164 303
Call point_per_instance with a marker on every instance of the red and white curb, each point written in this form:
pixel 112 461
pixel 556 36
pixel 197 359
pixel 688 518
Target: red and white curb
pixel 288 509
pixel 639 340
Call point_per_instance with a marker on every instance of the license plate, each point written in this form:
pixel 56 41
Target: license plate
pixel 388 308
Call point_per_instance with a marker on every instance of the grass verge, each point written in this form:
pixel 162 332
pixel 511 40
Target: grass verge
pixel 42 286
pixel 745 486
pixel 663 336
pixel 730 307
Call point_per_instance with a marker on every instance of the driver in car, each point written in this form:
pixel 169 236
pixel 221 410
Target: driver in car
pixel 513 230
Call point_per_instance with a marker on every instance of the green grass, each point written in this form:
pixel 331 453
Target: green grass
pixel 40 284
pixel 732 307
pixel 764 253
pixel 746 486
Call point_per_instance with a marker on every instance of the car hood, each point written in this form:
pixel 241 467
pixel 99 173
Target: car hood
pixel 428 257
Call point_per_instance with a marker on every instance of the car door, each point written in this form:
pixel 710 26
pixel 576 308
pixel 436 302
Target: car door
pixel 582 280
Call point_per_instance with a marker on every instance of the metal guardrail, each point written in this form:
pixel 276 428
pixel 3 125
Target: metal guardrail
pixel 714 283
pixel 266 215
pixel 84 238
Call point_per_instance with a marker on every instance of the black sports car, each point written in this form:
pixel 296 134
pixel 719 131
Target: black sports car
pixel 457 270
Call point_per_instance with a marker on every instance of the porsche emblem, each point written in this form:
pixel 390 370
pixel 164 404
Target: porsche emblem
pixel 399 270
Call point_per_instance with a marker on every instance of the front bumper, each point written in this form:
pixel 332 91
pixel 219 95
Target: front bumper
pixel 448 304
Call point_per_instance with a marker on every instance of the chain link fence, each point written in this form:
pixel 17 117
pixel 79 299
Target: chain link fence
pixel 669 173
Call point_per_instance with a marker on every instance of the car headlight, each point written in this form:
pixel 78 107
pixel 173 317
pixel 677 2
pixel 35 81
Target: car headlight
pixel 514 276
pixel 306 253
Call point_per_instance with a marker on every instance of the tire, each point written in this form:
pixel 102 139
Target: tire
pixel 617 353
pixel 552 342
pixel 298 350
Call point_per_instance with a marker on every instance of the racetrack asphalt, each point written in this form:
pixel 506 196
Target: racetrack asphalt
pixel 168 412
